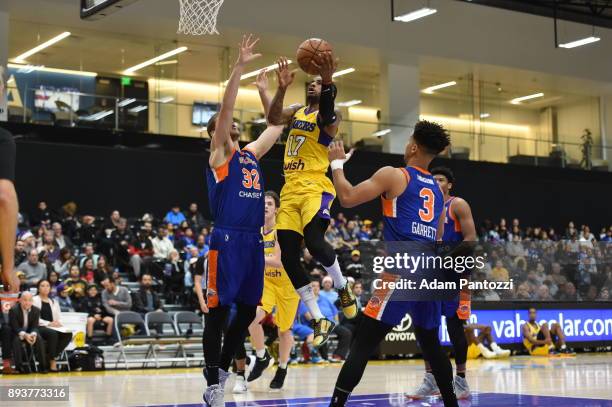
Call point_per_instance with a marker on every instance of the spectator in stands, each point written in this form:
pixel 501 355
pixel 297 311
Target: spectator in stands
pixel 355 267
pixel 365 232
pixel 21 254
pixel 195 218
pixel 88 271
pixel 50 324
pixel 606 236
pixel 499 272
pixel 64 262
pixel 115 298
pixel 311 265
pixel 23 282
pixel 63 297
pixel 142 250
pixel 202 244
pixel 175 216
pixel 54 281
pixel 88 253
pixel 358 291
pixel 41 215
pixel 6 342
pixel 97 315
pixel 328 290
pixel 586 235
pixel 33 269
pixel 592 293
pixel 162 245
pixel 77 286
pixel 102 271
pixel 23 319
pixel 174 276
pixel 61 240
pixel 86 233
pixel 543 293
pixel 569 293
pixel 146 299
pixel 121 239
pixel 113 221
pixel 523 292
pixel 70 222
pixel 604 294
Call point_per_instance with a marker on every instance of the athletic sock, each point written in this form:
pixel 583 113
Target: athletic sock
pixel 308 297
pixel 282 365
pixel 212 375
pixel 336 274
pixel 260 353
pixel 339 397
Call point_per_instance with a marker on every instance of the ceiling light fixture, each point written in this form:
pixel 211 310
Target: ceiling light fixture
pixel 485 115
pixel 126 102
pixel 349 103
pixel 22 58
pixel 415 15
pixel 517 101
pixel 54 70
pixel 431 89
pixel 151 61
pixel 380 133
pixel 171 62
pixel 138 109
pixel 578 43
pixel 343 72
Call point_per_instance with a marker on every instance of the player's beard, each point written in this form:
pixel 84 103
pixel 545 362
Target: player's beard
pixel 313 100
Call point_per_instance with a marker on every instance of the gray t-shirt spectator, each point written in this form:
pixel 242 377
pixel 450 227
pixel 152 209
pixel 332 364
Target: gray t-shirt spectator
pixel 33 270
pixel 122 297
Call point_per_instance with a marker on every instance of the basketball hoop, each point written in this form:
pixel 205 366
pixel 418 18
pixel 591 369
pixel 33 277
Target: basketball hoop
pixel 199 17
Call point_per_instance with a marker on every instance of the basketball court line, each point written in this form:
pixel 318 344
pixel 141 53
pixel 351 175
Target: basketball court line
pixel 397 400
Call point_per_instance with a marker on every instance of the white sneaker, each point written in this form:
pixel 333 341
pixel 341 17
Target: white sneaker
pixel 502 353
pixel 427 388
pixel 486 352
pixel 213 396
pixel 462 390
pixel 240 386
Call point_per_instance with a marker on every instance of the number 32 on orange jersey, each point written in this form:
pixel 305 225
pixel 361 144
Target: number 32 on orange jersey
pixel 251 179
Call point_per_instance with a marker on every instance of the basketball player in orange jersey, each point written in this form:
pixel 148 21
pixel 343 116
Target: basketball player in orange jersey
pixel 413 211
pixel 307 195
pixel 458 227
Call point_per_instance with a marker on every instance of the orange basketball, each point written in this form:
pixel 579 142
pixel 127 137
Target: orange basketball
pixel 308 50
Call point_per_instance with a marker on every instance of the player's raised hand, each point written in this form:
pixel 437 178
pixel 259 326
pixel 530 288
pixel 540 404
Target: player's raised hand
pixel 336 152
pixel 246 50
pixel 327 65
pixel 262 80
pixel 283 74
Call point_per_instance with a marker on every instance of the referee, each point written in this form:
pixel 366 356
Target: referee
pixel 8 211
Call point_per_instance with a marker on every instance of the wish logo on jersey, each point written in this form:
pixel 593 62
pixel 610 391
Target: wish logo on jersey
pixel 298 165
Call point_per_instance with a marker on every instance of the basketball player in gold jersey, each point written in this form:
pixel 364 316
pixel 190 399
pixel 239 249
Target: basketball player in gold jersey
pixel 308 193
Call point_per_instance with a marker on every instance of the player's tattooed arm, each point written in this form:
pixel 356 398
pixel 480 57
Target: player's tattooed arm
pixel 350 196
pixel 221 143
pixel 277 114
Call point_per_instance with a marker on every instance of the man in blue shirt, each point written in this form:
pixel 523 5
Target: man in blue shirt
pixel 175 216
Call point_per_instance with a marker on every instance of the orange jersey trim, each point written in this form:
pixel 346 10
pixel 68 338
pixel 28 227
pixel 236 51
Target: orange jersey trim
pixel 421 170
pixel 222 171
pixel 452 215
pixel 212 294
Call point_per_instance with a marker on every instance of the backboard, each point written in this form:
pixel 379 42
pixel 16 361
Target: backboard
pixel 97 9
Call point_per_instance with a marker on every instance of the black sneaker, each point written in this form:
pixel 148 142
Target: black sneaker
pixel 279 379
pixel 261 364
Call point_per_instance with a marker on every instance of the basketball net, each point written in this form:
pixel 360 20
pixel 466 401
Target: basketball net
pixel 199 17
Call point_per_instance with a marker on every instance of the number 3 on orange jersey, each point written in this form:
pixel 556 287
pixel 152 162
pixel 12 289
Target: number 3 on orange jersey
pixel 427 213
pixel 251 179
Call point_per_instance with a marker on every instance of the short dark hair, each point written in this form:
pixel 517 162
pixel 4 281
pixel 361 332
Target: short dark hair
pixel 42 280
pixel 431 136
pixel 110 279
pixel 274 195
pixel 212 124
pixel 446 172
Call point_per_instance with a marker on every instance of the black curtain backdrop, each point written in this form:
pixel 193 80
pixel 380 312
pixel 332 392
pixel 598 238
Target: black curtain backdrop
pixel 138 173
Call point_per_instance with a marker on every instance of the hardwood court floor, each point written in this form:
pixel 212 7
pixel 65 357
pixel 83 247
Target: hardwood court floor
pixel 513 381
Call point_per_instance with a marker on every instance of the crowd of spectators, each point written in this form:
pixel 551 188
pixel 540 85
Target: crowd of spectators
pixel 85 260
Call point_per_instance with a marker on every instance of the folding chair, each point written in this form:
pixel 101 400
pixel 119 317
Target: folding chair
pixel 128 318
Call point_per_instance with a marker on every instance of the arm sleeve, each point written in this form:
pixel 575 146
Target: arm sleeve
pixel 327 113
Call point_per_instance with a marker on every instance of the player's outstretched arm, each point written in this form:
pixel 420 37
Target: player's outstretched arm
pixel 262 87
pixel 221 139
pixel 349 195
pixel 328 117
pixel 277 114
pixel 265 141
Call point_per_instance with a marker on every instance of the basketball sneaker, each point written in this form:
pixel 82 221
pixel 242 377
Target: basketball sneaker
pixel 223 376
pixel 502 353
pixel 462 390
pixel 261 364
pixel 486 352
pixel 279 379
pixel 322 328
pixel 348 301
pixel 213 396
pixel 240 386
pixel 427 388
